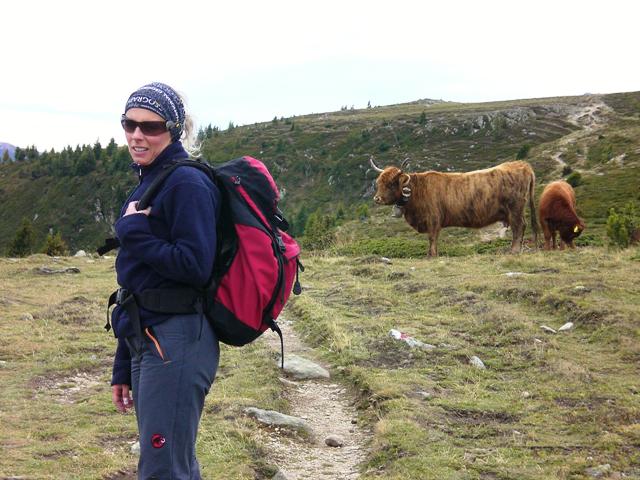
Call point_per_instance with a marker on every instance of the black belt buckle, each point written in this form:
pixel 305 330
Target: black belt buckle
pixel 121 295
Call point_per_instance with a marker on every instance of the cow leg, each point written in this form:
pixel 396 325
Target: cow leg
pixel 433 242
pixel 553 239
pixel 517 229
pixel 546 231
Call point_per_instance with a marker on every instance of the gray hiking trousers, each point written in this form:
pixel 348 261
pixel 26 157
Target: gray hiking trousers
pixel 172 370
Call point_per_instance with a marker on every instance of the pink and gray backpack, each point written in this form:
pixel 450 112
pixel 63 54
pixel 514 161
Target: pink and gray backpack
pixel 257 262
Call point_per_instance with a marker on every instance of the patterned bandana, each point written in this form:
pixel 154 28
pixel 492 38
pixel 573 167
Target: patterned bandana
pixel 163 100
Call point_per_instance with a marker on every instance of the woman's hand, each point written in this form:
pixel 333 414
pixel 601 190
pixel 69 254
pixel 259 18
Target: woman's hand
pixel 121 397
pixel 131 209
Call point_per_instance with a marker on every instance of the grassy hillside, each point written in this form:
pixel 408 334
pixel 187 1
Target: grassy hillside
pixel 547 406
pixel 321 161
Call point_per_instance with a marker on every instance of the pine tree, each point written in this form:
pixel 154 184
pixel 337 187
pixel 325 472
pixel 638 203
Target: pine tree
pixel 201 135
pixel 32 153
pixel 121 160
pixel 86 163
pixel 97 150
pixel 299 222
pixel 19 154
pixel 111 148
pixel 23 243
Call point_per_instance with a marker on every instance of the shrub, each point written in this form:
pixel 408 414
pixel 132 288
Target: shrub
pixel 494 246
pixel 319 231
pixel 589 240
pixel 523 152
pixel 574 179
pixel 397 247
pixel 566 170
pixel 362 211
pixel 620 226
pixel 55 246
pixel 386 247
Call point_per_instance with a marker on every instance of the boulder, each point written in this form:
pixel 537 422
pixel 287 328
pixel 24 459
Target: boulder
pixel 277 419
pixel 303 369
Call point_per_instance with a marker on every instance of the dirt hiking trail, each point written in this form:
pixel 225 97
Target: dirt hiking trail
pixel 329 409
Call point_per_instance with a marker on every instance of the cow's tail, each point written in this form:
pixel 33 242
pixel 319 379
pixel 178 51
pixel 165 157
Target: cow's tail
pixel 532 208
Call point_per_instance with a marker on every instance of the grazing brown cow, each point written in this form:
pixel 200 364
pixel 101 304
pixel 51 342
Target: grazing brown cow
pixel 557 213
pixel 431 201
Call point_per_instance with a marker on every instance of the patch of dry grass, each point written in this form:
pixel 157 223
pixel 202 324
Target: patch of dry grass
pixel 56 417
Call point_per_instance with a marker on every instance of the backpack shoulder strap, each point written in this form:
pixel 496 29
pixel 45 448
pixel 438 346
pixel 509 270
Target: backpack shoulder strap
pixel 147 197
pixel 151 191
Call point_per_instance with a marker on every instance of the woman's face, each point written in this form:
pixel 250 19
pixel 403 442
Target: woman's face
pixel 145 148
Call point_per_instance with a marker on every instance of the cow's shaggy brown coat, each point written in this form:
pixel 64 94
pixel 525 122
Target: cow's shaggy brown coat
pixel 473 199
pixel 557 213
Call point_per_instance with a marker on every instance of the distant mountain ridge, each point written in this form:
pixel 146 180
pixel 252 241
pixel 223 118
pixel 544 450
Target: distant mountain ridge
pixel 7 147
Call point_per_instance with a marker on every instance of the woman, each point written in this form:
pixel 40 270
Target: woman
pixel 168 361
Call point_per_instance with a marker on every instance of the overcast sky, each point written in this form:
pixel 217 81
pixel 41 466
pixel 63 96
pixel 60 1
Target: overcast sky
pixel 69 66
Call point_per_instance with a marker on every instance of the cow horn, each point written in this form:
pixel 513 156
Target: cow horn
pixel 405 163
pixel 376 168
pixel 405 183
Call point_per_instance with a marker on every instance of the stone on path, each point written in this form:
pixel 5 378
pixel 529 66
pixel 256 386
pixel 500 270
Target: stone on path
pixel 302 369
pixel 135 448
pixel 334 441
pixel 277 419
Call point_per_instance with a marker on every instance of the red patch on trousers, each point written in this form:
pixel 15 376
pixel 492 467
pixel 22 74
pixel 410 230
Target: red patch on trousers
pixel 157 440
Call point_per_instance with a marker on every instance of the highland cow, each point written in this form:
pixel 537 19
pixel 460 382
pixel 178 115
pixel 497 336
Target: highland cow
pixel 557 213
pixel 431 201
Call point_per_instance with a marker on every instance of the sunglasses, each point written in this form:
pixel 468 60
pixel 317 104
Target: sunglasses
pixel 147 128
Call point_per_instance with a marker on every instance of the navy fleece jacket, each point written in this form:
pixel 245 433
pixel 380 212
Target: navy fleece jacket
pixel 173 246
